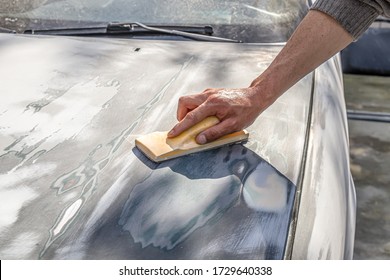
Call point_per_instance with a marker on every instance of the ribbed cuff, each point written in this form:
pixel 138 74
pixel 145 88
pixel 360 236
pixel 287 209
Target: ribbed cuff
pixel 354 15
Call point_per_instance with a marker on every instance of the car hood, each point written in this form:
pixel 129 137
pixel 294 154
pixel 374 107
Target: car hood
pixel 74 186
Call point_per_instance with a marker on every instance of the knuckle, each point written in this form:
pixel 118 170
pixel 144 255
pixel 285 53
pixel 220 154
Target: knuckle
pixel 192 117
pixel 215 100
pixel 182 99
pixel 210 91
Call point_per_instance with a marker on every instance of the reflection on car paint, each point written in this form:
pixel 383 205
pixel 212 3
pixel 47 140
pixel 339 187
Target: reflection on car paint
pixel 166 208
pixel 265 190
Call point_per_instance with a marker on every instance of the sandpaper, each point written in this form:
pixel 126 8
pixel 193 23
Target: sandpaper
pixel 158 147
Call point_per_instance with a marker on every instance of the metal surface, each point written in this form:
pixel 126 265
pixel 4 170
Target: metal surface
pixel 326 220
pixel 73 186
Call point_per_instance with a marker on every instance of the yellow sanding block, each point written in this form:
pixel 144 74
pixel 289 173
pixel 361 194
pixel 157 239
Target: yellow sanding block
pixel 158 147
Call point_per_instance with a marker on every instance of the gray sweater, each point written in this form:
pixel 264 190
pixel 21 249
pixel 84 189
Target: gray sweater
pixel 354 15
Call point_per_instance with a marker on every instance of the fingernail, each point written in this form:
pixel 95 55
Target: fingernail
pixel 170 133
pixel 202 139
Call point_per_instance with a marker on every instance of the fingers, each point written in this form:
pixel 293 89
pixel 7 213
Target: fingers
pixel 217 131
pixel 234 108
pixel 189 103
pixel 190 111
pixel 190 119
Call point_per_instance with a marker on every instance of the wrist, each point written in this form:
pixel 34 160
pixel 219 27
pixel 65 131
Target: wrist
pixel 264 89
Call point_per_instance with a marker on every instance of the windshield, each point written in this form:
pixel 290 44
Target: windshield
pixel 249 21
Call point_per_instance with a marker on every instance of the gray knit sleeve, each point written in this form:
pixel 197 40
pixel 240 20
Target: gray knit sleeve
pixel 354 15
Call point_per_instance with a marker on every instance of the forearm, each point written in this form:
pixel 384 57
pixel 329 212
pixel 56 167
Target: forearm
pixel 316 39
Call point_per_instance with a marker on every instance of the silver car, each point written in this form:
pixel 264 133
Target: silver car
pixel 81 80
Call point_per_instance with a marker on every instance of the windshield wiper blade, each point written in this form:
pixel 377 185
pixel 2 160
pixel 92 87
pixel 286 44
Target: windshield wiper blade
pixel 119 27
pixel 77 31
pixel 195 36
pixel 200 33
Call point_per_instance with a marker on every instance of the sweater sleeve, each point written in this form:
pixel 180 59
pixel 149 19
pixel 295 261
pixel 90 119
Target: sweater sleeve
pixel 354 15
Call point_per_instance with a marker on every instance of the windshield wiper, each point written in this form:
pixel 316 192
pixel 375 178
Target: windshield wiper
pixel 186 34
pixel 200 33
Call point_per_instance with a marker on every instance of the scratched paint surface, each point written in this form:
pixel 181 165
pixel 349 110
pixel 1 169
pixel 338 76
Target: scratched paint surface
pixel 72 185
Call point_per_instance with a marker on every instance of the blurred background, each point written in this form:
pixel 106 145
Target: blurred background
pixel 366 67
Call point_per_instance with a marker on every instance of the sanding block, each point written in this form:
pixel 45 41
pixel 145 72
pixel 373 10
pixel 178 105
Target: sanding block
pixel 158 147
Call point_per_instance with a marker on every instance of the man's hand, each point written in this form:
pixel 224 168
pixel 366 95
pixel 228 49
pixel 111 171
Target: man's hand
pixel 235 108
pixel 317 38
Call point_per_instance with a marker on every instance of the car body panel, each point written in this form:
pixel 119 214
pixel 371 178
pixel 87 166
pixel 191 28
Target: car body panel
pixel 326 220
pixel 73 186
